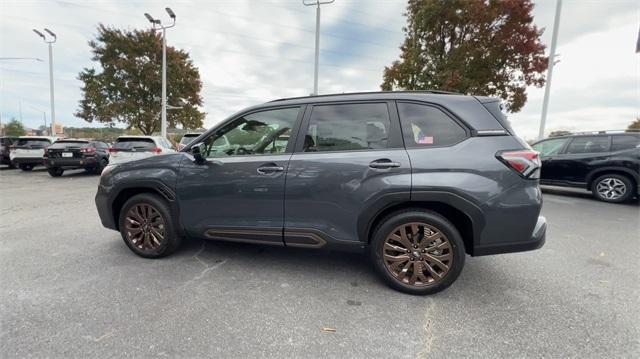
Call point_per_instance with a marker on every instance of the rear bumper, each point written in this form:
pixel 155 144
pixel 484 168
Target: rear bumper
pixel 537 240
pixel 70 162
pixel 28 161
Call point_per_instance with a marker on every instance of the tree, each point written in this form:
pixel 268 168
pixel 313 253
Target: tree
pixel 482 47
pixel 634 126
pixel 127 87
pixel 14 128
pixel 558 133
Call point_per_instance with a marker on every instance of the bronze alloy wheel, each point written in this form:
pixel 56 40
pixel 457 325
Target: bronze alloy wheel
pixel 144 227
pixel 417 254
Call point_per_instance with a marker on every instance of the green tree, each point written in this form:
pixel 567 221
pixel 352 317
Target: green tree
pixel 482 47
pixel 14 128
pixel 127 86
pixel 634 126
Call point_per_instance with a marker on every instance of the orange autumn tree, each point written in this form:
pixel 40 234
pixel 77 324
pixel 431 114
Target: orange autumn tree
pixel 481 47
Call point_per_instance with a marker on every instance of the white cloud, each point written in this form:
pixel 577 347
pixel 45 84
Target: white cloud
pixel 249 52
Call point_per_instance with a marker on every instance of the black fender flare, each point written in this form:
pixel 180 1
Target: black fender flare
pixel 591 176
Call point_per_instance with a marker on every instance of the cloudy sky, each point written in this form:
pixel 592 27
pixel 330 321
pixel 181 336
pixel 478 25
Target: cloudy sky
pixel 250 52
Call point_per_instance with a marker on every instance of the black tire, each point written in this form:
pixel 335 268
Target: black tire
pixel 171 241
pixel 100 166
pixel 390 223
pixel 12 165
pixel 613 188
pixel 26 167
pixel 55 171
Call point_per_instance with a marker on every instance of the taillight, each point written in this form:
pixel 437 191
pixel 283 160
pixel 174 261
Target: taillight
pixel 111 150
pixel 88 150
pixel 157 150
pixel 525 162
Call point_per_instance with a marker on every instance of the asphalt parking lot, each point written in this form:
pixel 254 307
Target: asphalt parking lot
pixel 71 288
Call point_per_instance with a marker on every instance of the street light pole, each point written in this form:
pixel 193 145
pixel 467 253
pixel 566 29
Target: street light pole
pixel 51 89
pixel 317 4
pixel 157 24
pixel 552 62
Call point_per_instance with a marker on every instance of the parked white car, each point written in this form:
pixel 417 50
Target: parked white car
pixel 131 148
pixel 28 151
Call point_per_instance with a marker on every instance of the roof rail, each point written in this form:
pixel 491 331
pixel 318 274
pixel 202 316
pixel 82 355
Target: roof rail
pixel 604 132
pixel 435 92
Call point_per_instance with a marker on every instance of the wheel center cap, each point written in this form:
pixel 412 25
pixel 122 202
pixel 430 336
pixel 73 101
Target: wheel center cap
pixel 416 253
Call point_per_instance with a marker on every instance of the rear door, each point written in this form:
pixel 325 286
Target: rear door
pixel 348 156
pixel 580 157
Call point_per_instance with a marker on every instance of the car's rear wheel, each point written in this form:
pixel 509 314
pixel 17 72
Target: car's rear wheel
pixel 55 171
pixel 26 167
pixel 612 188
pixel 147 227
pixel 417 251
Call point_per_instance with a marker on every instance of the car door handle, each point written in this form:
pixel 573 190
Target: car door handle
pixel 383 164
pixel 269 168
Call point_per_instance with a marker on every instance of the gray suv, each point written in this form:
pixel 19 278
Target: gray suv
pixel 417 179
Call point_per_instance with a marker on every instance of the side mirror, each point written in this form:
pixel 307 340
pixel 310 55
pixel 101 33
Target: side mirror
pixel 198 151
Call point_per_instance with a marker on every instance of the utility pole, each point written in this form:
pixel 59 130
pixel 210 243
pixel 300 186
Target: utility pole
pixel 317 4
pixel 20 110
pixel 50 42
pixel 157 24
pixel 552 55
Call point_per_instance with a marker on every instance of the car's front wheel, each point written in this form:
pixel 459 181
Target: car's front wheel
pixel 147 227
pixel 55 172
pixel 417 251
pixel 613 188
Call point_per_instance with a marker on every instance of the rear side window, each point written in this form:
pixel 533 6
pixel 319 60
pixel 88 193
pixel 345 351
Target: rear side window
pixel 426 126
pixel 589 144
pixel 624 142
pixel 134 143
pixel 348 127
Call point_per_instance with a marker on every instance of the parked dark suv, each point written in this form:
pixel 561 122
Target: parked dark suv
pixel 416 178
pixel 607 164
pixel 5 146
pixel 92 156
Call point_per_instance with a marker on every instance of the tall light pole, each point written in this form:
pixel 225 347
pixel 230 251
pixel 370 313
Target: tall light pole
pixel 50 41
pixel 552 62
pixel 157 24
pixel 317 4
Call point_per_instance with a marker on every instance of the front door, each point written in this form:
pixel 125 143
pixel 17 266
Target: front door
pixel 348 157
pixel 237 194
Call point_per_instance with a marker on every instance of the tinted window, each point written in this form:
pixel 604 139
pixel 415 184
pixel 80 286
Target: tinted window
pixel 68 144
pixel 589 144
pixel 101 145
pixel 348 127
pixel 550 147
pixel 129 143
pixel 33 142
pixel 254 134
pixel 624 142
pixel 424 126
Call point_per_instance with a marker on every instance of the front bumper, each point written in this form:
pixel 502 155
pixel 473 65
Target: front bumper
pixel 103 205
pixel 70 162
pixel 537 240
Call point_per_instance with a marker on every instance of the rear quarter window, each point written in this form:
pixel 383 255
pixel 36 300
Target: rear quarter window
pixel 427 126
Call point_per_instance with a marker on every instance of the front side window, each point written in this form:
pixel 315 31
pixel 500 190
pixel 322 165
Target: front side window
pixel 589 144
pixel 348 127
pixel 426 126
pixel 265 132
pixel 550 147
